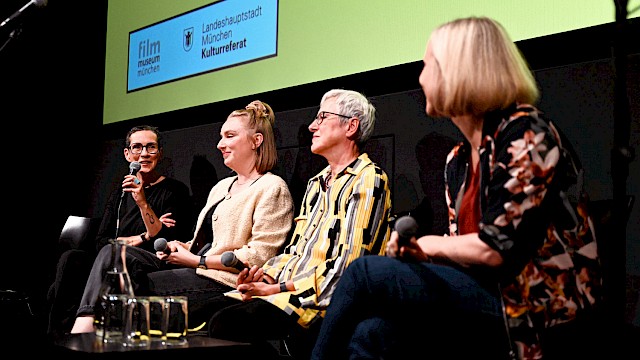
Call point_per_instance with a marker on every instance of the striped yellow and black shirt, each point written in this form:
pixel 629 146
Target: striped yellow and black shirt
pixel 335 225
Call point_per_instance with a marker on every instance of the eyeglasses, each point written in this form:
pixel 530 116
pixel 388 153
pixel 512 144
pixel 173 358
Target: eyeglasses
pixel 136 148
pixel 323 115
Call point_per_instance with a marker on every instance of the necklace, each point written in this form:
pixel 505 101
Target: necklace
pixel 254 180
pixel 228 195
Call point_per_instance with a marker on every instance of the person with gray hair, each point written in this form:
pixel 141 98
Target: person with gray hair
pixel 344 215
pixel 354 103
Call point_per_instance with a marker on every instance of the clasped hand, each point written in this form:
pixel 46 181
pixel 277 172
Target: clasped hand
pixel 254 282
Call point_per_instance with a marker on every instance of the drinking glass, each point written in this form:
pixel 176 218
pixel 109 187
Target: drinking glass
pixel 112 301
pixel 110 324
pixel 137 322
pixel 158 316
pixel 177 319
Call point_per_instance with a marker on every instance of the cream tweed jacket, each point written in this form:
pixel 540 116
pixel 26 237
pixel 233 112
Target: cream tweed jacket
pixel 253 223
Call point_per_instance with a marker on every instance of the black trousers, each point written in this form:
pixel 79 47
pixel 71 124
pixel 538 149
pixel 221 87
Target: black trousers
pixel 257 321
pixel 65 292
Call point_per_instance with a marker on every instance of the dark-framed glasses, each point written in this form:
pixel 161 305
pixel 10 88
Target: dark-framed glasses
pixel 136 148
pixel 323 115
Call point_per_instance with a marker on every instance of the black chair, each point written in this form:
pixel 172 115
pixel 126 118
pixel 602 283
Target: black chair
pixel 77 250
pixel 79 232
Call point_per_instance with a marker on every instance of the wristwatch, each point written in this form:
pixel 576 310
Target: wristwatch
pixel 203 264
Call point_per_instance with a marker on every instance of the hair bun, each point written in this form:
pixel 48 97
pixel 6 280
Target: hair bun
pixel 257 106
pixel 261 110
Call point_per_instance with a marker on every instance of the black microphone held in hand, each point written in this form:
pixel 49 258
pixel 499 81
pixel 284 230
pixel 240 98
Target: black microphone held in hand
pixel 407 227
pixel 161 245
pixel 134 167
pixel 229 259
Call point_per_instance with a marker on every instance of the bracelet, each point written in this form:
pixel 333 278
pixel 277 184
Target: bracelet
pixel 143 236
pixel 283 286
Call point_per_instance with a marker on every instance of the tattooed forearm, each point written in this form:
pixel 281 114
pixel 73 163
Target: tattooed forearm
pixel 151 218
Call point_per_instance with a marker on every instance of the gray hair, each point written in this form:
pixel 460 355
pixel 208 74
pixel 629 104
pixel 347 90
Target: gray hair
pixel 353 103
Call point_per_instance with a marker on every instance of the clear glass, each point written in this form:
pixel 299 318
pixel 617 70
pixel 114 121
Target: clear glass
pixel 111 305
pixel 158 315
pixel 177 319
pixel 137 322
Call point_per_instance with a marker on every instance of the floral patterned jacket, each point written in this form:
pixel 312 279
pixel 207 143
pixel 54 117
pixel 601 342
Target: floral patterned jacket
pixel 551 270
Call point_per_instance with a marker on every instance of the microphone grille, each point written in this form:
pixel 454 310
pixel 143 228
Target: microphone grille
pixel 160 244
pixel 135 166
pixel 406 226
pixel 40 3
pixel 228 259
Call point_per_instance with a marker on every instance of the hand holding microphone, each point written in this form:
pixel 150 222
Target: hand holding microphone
pixel 407 228
pixel 134 167
pixel 161 245
pixel 229 259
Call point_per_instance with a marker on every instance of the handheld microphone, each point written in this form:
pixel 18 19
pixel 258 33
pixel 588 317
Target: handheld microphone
pixel 134 167
pixel 161 245
pixel 38 3
pixel 229 259
pixel 407 227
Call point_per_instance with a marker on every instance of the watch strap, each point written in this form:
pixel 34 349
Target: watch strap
pixel 203 262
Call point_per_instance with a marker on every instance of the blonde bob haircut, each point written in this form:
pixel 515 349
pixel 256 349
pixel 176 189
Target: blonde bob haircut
pixel 260 120
pixel 478 69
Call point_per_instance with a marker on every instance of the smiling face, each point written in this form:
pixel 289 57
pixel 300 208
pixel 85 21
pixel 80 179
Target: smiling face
pixel 148 161
pixel 237 144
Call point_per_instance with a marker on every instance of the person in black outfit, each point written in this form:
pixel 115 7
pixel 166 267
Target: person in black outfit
pixel 136 203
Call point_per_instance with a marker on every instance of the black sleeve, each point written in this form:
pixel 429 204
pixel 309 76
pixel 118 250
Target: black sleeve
pixel 107 229
pixel 178 202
